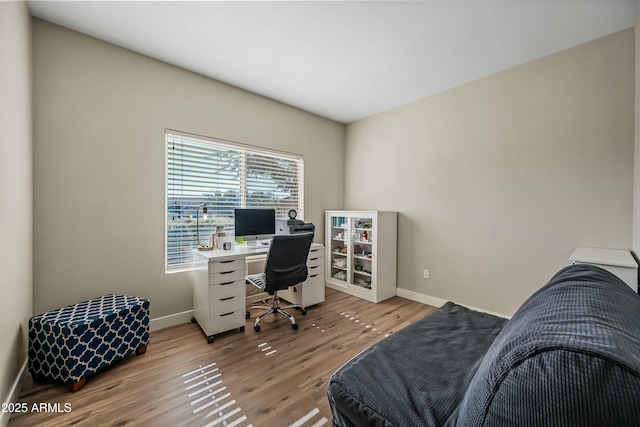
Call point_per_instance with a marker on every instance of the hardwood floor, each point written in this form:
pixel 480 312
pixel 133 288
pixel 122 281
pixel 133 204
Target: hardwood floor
pixel 275 377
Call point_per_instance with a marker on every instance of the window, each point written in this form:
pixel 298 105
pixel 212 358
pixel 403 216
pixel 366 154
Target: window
pixel 223 175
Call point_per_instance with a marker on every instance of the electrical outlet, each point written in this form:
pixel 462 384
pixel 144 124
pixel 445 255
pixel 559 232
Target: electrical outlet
pixel 425 274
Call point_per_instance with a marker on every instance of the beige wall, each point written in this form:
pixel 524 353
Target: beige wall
pixel 497 181
pixel 16 283
pixel 99 157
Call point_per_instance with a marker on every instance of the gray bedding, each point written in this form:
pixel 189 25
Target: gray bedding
pixel 434 358
pixel 570 356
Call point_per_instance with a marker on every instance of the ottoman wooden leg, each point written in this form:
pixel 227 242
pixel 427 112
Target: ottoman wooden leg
pixel 73 387
pixel 40 379
pixel 141 350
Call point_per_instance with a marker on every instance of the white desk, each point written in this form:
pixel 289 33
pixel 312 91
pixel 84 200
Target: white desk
pixel 219 289
pixel 617 261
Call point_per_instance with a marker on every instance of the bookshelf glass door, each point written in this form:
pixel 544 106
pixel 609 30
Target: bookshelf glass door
pixel 362 239
pixel 339 249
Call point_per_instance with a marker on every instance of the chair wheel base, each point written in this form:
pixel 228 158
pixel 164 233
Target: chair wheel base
pixel 256 328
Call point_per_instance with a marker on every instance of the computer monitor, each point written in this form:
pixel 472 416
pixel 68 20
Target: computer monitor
pixel 254 224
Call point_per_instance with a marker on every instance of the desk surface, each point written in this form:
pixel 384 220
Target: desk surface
pixel 240 251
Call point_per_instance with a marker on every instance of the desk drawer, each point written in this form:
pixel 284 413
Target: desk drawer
pixel 226 266
pixel 315 279
pixel 226 321
pixel 315 260
pixel 226 290
pixel 226 277
pixel 315 270
pixel 226 305
pixel 313 289
pixel 313 253
pixel 308 293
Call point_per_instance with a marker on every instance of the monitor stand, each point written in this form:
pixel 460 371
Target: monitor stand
pixel 257 245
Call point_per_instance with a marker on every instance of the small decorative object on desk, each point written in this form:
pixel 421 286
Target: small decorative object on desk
pixel 223 240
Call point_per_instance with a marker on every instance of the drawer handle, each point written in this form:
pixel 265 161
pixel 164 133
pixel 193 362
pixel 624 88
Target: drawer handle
pixel 227 314
pixel 227 272
pixel 312 259
pixel 226 299
pixel 228 261
pixel 226 283
pixel 315 266
pixel 315 275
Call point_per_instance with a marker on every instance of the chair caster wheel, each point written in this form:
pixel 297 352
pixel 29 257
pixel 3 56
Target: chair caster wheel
pixel 295 326
pixel 256 328
pixel 304 312
pixel 247 315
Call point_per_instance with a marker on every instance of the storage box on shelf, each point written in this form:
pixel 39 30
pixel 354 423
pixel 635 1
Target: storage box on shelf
pixel 361 253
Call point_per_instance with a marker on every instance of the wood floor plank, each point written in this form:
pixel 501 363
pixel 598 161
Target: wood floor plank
pixel 275 377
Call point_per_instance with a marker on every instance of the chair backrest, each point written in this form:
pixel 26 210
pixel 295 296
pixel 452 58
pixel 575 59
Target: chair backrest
pixel 286 263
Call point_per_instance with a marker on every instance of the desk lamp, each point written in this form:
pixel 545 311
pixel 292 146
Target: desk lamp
pixel 201 247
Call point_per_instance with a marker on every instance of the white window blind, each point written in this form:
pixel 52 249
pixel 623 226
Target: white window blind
pixel 224 176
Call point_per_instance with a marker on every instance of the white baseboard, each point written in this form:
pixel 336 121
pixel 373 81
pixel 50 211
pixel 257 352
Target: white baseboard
pixel 438 302
pixel 185 317
pixel 170 320
pixel 422 298
pixel 257 297
pixel 14 394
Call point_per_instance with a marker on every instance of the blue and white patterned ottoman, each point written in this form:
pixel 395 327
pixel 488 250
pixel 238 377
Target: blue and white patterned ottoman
pixel 71 343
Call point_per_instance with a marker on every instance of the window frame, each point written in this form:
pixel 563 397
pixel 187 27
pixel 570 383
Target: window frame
pixel 245 151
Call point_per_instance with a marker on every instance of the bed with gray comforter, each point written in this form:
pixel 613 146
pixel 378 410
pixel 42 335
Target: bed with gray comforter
pixel 570 356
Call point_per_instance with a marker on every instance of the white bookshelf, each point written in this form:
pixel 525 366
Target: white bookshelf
pixel 361 253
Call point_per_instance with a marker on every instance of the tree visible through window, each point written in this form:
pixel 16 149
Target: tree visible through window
pixel 224 176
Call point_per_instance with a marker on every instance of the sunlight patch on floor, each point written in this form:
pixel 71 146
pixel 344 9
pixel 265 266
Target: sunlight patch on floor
pixel 206 389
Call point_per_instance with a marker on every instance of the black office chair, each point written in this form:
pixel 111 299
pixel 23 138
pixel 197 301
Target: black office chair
pixel 285 266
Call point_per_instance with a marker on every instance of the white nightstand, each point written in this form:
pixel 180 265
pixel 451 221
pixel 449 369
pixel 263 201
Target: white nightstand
pixel 617 261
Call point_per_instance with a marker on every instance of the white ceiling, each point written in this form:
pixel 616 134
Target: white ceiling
pixel 344 60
